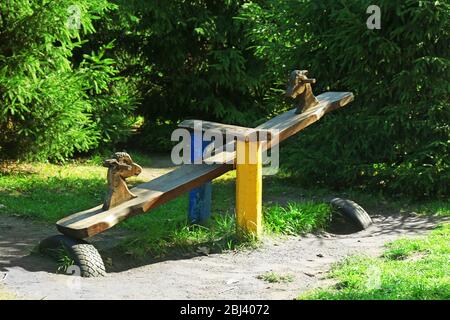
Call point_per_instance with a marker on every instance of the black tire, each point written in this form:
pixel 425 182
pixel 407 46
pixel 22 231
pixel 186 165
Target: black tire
pixel 83 253
pixel 352 211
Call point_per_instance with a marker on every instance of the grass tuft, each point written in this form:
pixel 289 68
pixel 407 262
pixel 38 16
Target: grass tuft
pixel 64 261
pixel 409 269
pixel 174 236
pixel 272 277
pixel 297 218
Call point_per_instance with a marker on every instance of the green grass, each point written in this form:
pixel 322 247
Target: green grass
pixel 297 217
pixel 64 261
pixel 272 277
pixel 408 269
pixel 438 208
pixel 48 192
pixel 166 230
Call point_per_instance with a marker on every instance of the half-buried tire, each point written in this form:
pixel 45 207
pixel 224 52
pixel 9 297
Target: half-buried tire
pixel 83 253
pixel 352 211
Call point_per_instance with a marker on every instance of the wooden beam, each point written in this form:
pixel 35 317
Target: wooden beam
pixel 249 187
pixel 199 210
pixel 243 133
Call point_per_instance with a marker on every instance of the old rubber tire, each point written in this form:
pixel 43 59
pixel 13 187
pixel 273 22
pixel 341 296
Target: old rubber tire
pixel 352 211
pixel 83 253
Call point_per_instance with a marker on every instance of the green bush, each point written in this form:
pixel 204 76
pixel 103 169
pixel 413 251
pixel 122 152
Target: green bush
pixel 396 135
pixel 188 59
pixel 52 107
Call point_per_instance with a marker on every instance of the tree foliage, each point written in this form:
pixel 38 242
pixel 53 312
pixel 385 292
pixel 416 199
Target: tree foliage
pixel 396 135
pixel 189 59
pixel 65 90
pixel 50 106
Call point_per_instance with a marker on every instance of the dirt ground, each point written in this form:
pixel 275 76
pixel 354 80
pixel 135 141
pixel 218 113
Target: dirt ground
pixel 230 275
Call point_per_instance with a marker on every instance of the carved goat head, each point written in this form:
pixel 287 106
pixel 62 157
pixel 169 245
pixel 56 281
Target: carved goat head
pixel 120 167
pixel 297 83
pixel 299 88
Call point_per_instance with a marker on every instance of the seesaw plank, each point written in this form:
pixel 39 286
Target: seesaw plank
pixel 87 223
pixel 90 222
pixel 223 129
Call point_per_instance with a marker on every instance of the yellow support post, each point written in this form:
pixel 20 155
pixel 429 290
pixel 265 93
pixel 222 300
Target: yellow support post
pixel 249 186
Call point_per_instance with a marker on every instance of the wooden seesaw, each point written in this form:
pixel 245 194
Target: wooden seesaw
pixel 122 203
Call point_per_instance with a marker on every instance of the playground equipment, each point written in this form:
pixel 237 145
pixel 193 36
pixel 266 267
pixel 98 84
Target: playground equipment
pixel 122 203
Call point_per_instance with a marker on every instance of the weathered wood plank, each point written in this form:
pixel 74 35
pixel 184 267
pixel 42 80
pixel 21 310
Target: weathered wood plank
pixel 223 129
pixel 160 190
pixel 149 195
pixel 288 124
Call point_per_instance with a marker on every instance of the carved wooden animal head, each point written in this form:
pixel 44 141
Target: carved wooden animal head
pixel 299 88
pixel 297 83
pixel 123 165
pixel 120 167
